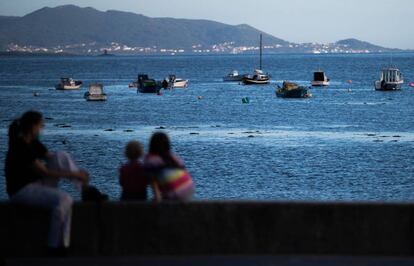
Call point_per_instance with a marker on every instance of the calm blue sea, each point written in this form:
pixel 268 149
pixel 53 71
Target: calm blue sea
pixel 337 146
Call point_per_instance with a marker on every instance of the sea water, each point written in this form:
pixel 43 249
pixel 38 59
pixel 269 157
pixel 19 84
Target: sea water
pixel 347 143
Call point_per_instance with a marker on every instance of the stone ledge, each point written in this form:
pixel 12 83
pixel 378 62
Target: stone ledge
pixel 218 228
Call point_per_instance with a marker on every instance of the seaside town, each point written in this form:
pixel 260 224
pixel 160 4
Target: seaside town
pixel 220 48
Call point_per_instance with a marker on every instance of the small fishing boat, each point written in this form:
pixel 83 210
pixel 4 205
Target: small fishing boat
pixel 320 79
pixel 69 84
pixel 177 83
pixel 147 85
pixel 293 90
pixel 391 79
pixel 411 84
pixel 258 78
pixel 95 93
pixel 233 77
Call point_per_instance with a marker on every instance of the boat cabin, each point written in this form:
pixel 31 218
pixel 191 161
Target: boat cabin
pixel 391 75
pixel 96 89
pixel 235 73
pixel 172 78
pixel 65 80
pixel 259 75
pixel 69 81
pixel 319 76
pixel 143 77
pixel 95 93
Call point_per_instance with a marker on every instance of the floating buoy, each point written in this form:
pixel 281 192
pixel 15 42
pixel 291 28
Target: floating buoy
pixel 350 81
pixel 200 97
pixel 349 90
pixel 36 94
pixel 246 100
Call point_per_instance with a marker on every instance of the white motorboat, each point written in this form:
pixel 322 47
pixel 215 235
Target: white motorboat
pixel 233 77
pixel 177 83
pixel 391 79
pixel 96 93
pixel 320 79
pixel 69 84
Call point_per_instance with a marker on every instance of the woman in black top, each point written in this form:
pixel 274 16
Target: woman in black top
pixel 25 170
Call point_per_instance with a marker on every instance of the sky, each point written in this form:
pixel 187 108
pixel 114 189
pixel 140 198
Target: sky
pixel 389 23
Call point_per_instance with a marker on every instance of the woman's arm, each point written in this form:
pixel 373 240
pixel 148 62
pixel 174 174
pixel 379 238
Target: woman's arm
pixel 40 168
pixel 156 190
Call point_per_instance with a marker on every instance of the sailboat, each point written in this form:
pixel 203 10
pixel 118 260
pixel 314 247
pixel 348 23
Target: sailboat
pixel 258 77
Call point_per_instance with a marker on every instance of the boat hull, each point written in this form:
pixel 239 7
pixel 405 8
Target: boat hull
pixel 295 93
pixel 388 86
pixel 68 88
pixel 95 98
pixel 247 81
pixel 182 84
pixel 320 83
pixel 233 79
pixel 152 89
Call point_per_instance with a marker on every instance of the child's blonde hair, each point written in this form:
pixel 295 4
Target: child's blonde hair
pixel 134 150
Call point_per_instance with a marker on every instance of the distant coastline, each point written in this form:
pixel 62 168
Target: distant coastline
pixel 14 53
pixel 38 54
pixel 146 35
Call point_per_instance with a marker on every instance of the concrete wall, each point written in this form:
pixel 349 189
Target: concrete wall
pixel 220 228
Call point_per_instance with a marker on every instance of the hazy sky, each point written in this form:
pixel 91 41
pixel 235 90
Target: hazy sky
pixel 385 22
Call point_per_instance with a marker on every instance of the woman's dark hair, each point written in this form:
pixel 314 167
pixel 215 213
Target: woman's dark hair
pixel 160 145
pixel 23 125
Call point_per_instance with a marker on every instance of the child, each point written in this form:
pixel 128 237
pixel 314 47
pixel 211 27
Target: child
pixel 169 178
pixel 131 175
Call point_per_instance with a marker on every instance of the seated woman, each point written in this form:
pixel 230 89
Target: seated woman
pixel 25 173
pixel 168 176
pixel 132 177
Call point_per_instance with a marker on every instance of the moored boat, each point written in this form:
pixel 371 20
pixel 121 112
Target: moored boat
pixel 320 79
pixel 147 85
pixel 233 77
pixel 177 83
pixel 391 79
pixel 293 90
pixel 259 77
pixel 95 93
pixel 411 84
pixel 69 84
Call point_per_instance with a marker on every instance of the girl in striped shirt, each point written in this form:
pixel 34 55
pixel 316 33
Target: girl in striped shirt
pixel 168 176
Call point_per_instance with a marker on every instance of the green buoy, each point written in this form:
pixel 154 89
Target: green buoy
pixel 246 100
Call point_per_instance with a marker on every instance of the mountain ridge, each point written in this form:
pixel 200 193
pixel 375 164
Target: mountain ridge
pixel 69 28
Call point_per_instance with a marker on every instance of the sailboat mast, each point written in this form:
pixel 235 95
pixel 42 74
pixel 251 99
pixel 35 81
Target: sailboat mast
pixel 261 50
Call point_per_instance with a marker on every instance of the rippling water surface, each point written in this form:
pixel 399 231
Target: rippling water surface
pixel 340 145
